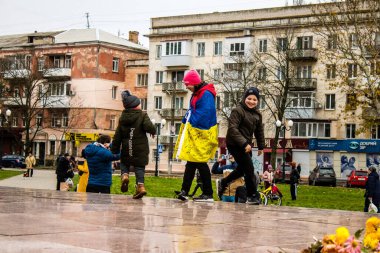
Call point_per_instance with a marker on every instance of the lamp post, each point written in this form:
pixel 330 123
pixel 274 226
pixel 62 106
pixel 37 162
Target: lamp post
pixel 284 128
pixel 3 116
pixel 159 126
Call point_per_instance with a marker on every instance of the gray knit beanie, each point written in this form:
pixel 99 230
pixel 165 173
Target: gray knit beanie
pixel 129 101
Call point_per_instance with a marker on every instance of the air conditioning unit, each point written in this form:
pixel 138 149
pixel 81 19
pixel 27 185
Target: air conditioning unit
pixel 318 105
pixel 72 93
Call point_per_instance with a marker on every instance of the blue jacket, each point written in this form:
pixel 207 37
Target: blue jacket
pixel 216 169
pixel 99 160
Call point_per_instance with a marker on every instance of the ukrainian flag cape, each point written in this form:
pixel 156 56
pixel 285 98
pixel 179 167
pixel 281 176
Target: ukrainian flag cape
pixel 198 136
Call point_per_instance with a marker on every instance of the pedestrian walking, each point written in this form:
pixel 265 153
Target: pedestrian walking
pixel 63 168
pixel 244 122
pixel 294 179
pixel 30 162
pixel 372 189
pixel 130 135
pixel 99 160
pixel 198 137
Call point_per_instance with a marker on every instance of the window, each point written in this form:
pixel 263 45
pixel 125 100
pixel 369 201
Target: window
pixel 353 40
pixel 352 70
pixel 68 61
pixel 39 120
pixel 57 89
pixel 179 102
pixel 237 49
pixel 159 76
pixel 142 79
pixel 351 101
pixel 311 129
pixel 115 65
pixel 375 68
pixel 332 41
pixel 261 103
pixel 158 51
pixel 41 64
pixel 16 93
pixel 173 48
pixel 281 73
pixel 263 46
pixel 201 49
pixel 304 71
pixel 55 120
pixel 217 74
pixel 375 132
pixel 350 131
pixel 14 121
pixel 330 102
pixel 218 48
pixel 23 121
pixel 144 104
pixel 330 71
pixel 201 72
pixel 301 100
pixel 112 122
pixel 305 42
pixel 158 103
pixel 114 92
pixel 231 98
pixel 56 61
pixel 177 128
pixel 63 146
pixel 217 102
pixel 282 44
pixel 65 120
pixel 262 75
pixel 52 147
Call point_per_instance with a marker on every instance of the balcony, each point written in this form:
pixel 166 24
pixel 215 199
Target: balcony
pixel 56 102
pixel 303 84
pixel 17 74
pixel 169 87
pixel 301 112
pixel 175 60
pixel 165 139
pixel 16 101
pixel 303 54
pixel 178 113
pixel 370 114
pixel 58 73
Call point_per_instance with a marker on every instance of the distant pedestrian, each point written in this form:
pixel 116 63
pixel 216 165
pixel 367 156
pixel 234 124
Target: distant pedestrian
pixel 63 169
pixel 372 189
pixel 294 179
pixel 99 160
pixel 131 137
pixel 30 162
pixel 268 177
pixel 299 169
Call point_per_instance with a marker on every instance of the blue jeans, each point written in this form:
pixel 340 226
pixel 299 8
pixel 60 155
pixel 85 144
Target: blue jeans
pixel 139 172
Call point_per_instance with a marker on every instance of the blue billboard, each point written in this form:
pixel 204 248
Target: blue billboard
pixel 354 145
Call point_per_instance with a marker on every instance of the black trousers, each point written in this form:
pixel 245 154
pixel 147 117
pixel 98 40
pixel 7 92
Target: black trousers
pixel 293 189
pixel 245 168
pixel 204 172
pixel 98 189
pixel 59 180
pixel 30 172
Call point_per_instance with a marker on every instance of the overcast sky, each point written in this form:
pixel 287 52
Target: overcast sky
pixel 113 16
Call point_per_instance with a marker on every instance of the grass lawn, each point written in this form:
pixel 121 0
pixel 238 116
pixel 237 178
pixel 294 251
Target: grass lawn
pixel 341 198
pixel 9 173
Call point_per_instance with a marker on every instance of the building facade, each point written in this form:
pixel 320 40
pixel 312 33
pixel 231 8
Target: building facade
pixel 208 43
pixel 81 74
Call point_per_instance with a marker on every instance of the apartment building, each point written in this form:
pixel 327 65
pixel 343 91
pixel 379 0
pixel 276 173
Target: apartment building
pixel 82 74
pixel 208 42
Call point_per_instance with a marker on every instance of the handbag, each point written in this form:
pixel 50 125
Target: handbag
pixel 372 207
pixel 69 182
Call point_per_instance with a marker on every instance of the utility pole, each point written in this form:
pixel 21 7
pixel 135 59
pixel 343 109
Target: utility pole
pixel 87 17
pixel 172 127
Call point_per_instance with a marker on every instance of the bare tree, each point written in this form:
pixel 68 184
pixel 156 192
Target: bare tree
pixel 27 90
pixel 351 32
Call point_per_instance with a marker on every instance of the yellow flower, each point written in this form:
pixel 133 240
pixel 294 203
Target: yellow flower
pixel 328 239
pixel 342 235
pixel 372 225
pixel 371 241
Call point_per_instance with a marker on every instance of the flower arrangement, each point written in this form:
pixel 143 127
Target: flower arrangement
pixel 343 242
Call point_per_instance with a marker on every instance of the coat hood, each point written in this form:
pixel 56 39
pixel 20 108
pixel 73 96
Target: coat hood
pixel 129 116
pixel 93 149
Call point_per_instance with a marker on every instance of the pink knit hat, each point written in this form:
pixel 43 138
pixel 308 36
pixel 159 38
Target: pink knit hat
pixel 192 78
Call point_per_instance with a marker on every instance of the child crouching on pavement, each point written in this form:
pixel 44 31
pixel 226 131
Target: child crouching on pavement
pixel 131 136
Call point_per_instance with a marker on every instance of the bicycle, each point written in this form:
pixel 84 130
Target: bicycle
pixel 273 195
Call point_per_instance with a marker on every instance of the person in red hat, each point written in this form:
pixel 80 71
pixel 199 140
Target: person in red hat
pixel 198 137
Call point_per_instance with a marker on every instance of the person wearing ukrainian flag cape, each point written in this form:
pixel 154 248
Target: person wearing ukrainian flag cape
pixel 198 138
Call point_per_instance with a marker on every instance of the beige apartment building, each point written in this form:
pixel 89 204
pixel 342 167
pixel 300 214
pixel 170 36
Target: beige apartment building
pixel 83 73
pixel 206 42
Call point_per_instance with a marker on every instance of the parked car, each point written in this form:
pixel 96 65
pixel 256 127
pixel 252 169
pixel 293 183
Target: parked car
pixel 278 173
pixel 13 161
pixel 322 176
pixel 357 178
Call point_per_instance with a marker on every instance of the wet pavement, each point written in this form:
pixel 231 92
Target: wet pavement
pixel 35 220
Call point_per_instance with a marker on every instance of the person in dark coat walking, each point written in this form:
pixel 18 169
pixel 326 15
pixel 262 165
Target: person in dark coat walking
pixel 244 122
pixel 62 169
pixel 372 189
pixel 294 179
pixel 99 160
pixel 130 134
